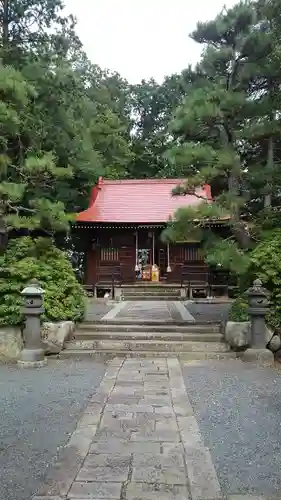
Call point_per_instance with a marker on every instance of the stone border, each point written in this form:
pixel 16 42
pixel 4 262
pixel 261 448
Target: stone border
pixel 185 314
pixel 114 311
pixel 75 451
pixel 203 480
pixel 31 364
pixel 214 301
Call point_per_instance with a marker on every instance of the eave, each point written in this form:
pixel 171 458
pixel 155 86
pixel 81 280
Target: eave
pixel 149 225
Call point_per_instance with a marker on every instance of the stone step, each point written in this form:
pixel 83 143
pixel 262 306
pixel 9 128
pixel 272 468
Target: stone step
pixel 151 291
pixel 143 321
pixel 111 346
pixel 185 356
pixel 147 327
pixel 150 294
pixel 151 286
pixel 145 335
pixel 155 297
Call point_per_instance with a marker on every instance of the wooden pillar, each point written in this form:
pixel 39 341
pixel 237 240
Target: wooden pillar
pixel 153 248
pixel 137 245
pixel 168 258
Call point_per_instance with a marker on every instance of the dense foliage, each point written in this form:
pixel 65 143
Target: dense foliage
pixel 65 122
pixel 266 263
pixel 239 309
pixel 227 131
pixel 26 259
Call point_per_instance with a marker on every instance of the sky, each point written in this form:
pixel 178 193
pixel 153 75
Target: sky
pixel 141 39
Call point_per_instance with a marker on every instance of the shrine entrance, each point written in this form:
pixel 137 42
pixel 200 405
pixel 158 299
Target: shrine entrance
pixel 150 251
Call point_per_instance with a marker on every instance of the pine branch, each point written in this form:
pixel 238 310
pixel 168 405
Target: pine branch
pixel 18 208
pixel 192 192
pixel 187 190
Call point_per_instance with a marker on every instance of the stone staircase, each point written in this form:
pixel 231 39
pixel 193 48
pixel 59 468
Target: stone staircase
pixel 189 341
pixel 151 291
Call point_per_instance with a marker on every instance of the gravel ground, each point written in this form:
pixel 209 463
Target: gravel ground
pixel 95 309
pixel 208 312
pixel 38 411
pixel 238 408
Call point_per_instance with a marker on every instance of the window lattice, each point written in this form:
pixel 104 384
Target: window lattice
pixel 192 254
pixel 109 254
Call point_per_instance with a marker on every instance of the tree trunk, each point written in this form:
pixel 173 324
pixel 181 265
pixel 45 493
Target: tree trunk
pixel 5 27
pixel 269 168
pixel 239 227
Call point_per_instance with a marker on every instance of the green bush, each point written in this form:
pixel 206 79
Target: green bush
pixel 26 259
pixel 266 265
pixel 239 309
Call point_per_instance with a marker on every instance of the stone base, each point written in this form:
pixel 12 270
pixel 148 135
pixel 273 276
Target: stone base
pixel 257 355
pixel 32 358
pixel 118 294
pixel 32 364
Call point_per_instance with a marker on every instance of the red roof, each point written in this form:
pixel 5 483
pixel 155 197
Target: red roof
pixel 138 201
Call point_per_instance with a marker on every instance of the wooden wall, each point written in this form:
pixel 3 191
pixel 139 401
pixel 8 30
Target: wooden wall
pixel 113 253
pixel 187 264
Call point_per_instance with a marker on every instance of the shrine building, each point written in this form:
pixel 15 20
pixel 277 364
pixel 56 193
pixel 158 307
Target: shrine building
pixel 122 233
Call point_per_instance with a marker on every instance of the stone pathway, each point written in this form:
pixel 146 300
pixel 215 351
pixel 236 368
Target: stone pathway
pixel 97 310
pixel 137 440
pixel 155 310
pixel 149 309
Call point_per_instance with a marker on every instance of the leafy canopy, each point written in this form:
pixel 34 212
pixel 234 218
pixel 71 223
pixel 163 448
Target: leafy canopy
pixel 226 132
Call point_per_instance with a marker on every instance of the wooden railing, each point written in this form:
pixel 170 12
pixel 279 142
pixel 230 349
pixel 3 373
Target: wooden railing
pixel 195 277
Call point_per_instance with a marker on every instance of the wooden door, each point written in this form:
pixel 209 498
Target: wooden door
pixel 127 256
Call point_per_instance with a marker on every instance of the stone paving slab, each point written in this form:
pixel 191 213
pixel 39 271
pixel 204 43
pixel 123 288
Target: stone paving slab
pixel 140 491
pixel 159 468
pixel 96 490
pixel 105 467
pixel 149 309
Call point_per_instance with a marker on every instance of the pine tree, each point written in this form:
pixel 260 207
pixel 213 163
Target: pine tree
pixel 25 170
pixel 212 126
pixel 60 122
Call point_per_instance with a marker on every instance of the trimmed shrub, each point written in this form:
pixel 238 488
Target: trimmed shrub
pixel 239 309
pixel 26 259
pixel 266 265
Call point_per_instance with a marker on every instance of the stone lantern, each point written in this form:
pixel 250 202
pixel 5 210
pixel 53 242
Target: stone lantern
pixel 258 308
pixel 33 353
